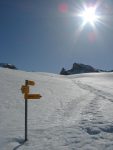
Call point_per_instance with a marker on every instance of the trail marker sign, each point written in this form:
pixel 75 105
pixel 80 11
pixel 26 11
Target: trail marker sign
pixel 25 91
pixel 32 96
pixel 31 82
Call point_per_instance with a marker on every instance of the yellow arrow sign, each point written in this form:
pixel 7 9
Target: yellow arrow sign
pixel 30 82
pixel 32 96
pixel 25 89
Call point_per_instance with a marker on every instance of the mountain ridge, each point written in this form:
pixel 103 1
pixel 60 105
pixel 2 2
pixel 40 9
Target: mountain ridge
pixel 79 68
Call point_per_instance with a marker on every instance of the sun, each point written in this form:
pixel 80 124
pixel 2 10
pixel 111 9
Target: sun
pixel 89 15
pixel 92 16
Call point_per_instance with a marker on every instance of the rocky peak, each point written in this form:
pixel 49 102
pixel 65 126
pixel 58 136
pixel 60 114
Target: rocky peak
pixel 78 68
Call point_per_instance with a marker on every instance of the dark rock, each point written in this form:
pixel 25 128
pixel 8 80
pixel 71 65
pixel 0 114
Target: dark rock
pixel 78 68
pixel 6 65
pixel 63 72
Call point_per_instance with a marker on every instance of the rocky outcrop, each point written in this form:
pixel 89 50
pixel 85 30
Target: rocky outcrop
pixel 78 68
pixel 6 65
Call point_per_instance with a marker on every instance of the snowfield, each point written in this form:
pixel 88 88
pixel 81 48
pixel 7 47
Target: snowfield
pixel 74 113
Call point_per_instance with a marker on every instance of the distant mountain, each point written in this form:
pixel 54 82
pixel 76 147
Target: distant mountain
pixel 6 65
pixel 78 68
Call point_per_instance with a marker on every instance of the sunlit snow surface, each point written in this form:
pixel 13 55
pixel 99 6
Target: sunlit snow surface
pixel 75 112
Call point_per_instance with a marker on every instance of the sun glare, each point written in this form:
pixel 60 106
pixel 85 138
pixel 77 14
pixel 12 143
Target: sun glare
pixel 93 15
pixel 89 15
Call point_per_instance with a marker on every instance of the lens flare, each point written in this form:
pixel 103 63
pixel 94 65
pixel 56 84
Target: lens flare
pixel 63 7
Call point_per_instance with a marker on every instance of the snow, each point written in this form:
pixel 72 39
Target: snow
pixel 74 113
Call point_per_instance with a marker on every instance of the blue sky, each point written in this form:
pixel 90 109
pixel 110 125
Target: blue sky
pixel 41 35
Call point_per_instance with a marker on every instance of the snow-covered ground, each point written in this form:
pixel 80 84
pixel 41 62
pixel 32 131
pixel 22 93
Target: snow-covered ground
pixel 74 113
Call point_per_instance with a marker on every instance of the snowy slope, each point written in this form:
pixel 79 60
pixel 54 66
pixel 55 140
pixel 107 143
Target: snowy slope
pixel 75 112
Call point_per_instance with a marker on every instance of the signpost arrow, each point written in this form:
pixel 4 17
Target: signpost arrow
pixel 31 82
pixel 32 96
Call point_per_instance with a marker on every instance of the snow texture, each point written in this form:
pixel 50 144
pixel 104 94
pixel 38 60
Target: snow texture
pixel 74 113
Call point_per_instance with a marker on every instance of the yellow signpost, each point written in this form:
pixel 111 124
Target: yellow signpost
pixel 25 91
pixel 31 82
pixel 32 96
